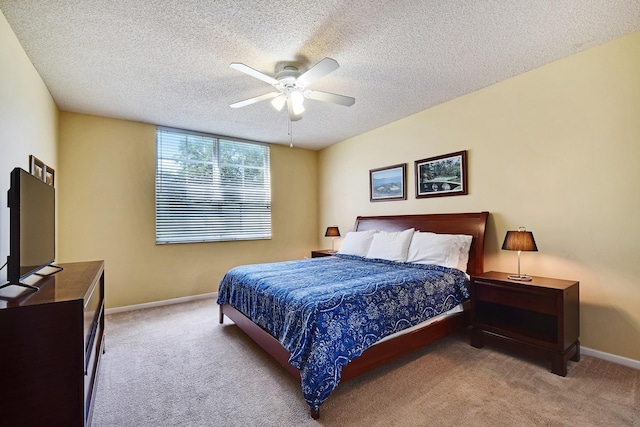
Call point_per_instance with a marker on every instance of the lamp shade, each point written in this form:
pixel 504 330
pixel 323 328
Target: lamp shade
pixel 297 102
pixel 332 232
pixel 520 240
pixel 279 101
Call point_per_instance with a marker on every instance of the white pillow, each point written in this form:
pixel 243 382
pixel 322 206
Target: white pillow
pixel 432 248
pixel 392 246
pixel 357 243
pixel 465 246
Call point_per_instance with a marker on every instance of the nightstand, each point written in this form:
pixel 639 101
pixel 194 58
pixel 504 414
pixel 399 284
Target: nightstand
pixel 322 252
pixel 540 318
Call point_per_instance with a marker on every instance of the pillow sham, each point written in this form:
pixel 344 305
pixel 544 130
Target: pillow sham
pixel 392 246
pixel 357 243
pixel 447 250
pixel 432 248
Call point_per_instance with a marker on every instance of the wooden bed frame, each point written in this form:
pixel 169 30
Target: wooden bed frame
pixel 472 224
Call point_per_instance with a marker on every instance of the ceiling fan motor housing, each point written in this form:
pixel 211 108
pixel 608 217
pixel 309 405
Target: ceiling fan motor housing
pixel 287 78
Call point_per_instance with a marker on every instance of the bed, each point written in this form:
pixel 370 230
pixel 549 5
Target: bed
pixel 266 302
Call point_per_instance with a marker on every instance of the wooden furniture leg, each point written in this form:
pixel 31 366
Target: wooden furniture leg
pixel 576 357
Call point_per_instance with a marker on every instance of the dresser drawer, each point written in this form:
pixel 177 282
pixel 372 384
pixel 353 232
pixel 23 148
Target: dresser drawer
pixel 92 360
pixel 92 309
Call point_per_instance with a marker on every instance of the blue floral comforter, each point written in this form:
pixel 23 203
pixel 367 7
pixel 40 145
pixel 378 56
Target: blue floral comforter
pixel 327 311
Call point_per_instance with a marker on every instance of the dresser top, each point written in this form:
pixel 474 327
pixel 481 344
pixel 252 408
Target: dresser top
pixel 74 282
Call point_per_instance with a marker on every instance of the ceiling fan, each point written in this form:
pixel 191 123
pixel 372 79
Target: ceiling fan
pixel 292 87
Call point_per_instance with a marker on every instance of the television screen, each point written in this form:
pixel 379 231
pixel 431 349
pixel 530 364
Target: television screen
pixel 32 225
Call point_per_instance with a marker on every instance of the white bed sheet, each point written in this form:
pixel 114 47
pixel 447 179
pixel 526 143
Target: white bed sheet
pixel 454 310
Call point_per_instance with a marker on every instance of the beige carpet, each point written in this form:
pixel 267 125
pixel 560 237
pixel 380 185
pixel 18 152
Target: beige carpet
pixel 176 366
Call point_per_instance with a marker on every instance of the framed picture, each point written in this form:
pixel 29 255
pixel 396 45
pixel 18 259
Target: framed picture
pixel 444 175
pixel 41 171
pixel 388 183
pixel 36 167
pixel 49 175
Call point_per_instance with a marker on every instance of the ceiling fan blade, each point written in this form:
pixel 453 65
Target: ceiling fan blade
pixel 292 116
pixel 253 73
pixel 318 71
pixel 318 95
pixel 254 100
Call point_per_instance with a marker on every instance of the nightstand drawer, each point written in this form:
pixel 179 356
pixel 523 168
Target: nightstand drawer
pixel 517 297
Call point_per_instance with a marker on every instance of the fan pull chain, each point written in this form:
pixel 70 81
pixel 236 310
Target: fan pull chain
pixel 290 135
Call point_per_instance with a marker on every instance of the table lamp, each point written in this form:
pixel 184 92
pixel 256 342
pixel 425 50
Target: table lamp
pixel 520 240
pixel 333 232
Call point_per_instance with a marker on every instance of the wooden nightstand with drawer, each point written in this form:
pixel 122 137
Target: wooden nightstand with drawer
pixel 322 253
pixel 540 318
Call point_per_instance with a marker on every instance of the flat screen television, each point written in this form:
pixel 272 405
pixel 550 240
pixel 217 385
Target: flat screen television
pixel 32 229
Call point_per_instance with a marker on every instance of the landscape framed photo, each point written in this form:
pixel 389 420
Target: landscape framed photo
pixel 444 175
pixel 388 183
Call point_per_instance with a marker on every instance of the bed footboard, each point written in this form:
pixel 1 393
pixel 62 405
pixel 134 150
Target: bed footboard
pixel 370 359
pixel 261 337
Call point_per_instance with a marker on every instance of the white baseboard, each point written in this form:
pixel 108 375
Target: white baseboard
pixel 160 303
pixel 631 363
pixel 583 350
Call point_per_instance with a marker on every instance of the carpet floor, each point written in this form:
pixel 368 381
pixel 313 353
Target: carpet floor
pixel 177 366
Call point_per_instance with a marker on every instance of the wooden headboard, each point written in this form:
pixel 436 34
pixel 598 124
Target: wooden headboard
pixel 472 224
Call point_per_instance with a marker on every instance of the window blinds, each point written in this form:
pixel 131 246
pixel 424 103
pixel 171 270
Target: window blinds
pixel 211 189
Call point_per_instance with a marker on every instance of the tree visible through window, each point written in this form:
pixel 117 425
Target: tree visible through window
pixel 211 189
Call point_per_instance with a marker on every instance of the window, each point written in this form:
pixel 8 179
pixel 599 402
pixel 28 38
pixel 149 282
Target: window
pixel 211 189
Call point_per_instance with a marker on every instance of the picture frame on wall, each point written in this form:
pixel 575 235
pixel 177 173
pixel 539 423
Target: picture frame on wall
pixel 444 175
pixel 388 183
pixel 41 171
pixel 49 175
pixel 36 167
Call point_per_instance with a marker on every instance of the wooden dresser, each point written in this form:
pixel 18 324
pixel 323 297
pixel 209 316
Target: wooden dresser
pixel 50 347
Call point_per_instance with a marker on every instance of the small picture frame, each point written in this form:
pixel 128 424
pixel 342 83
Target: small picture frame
pixel 36 167
pixel 388 183
pixel 49 175
pixel 41 171
pixel 444 175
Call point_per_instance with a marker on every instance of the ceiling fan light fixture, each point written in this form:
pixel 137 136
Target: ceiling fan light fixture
pixel 297 99
pixel 279 102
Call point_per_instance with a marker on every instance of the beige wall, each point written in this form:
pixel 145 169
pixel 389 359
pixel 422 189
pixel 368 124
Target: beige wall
pixel 107 211
pixel 556 150
pixel 28 122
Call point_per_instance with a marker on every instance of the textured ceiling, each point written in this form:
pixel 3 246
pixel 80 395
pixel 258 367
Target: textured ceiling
pixel 167 62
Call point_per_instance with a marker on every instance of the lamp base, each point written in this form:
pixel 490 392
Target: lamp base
pixel 519 277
